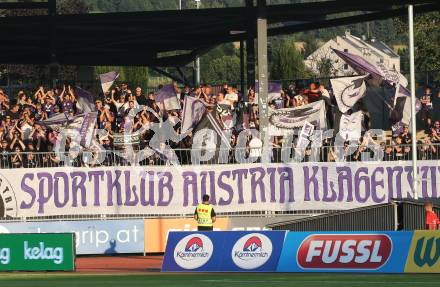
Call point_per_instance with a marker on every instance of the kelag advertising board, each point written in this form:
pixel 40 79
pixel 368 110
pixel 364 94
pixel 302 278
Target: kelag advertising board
pixel 37 252
pixel 375 252
pixel 223 251
pixel 92 237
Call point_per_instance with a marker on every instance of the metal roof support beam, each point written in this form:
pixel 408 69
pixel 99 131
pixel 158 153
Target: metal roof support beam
pixel 23 5
pixel 351 19
pixel 182 75
pixel 166 74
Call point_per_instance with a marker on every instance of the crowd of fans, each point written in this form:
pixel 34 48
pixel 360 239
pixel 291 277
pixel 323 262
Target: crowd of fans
pixel 27 142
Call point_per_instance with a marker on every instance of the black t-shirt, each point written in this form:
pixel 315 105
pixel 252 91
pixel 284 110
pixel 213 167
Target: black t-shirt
pixel 436 108
pixel 142 100
pixel 14 116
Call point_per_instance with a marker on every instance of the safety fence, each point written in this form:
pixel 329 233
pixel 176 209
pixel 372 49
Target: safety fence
pixel 377 217
pixel 397 215
pixel 208 156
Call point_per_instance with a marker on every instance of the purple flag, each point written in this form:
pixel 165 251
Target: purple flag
pixel 168 97
pixel 273 91
pixel 358 63
pixel 192 112
pixel 84 100
pixel 107 80
pixel 87 128
pixel 378 70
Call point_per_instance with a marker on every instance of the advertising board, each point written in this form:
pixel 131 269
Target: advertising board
pixel 226 251
pixel 92 237
pixel 424 253
pixel 381 252
pixel 37 252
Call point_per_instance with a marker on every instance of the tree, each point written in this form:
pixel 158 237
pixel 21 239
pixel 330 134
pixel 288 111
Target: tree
pixel 225 69
pixel 213 71
pixel 136 76
pixel 287 62
pixel 426 38
pixel 325 68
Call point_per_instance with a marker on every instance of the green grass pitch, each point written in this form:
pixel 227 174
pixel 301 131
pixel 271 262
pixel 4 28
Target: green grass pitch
pixel 215 280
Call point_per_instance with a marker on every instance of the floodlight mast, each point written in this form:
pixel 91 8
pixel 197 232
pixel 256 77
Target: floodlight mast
pixel 197 62
pixel 413 101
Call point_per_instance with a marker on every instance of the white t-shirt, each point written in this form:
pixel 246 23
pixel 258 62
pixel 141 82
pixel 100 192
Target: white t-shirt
pixel 255 147
pixel 231 97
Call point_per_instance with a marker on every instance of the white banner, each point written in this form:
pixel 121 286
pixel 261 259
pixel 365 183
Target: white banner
pixel 284 121
pixel 233 188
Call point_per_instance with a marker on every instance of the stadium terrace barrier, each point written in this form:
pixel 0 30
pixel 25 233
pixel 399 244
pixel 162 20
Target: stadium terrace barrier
pixel 37 252
pixel 412 214
pixel 377 217
pixel 278 251
pixel 135 157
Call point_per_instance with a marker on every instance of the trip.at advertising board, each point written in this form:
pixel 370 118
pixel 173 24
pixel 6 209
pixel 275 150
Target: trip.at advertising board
pixel 91 236
pixel 266 251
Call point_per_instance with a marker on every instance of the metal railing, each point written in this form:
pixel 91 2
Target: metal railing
pixel 377 217
pixel 135 157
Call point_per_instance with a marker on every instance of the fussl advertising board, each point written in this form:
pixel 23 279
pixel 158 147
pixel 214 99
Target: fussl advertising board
pixel 223 251
pixel 371 252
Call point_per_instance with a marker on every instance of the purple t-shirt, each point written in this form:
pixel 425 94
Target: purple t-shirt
pixel 48 108
pixel 67 106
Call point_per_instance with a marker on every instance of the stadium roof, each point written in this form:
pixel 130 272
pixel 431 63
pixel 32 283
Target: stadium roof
pixel 172 38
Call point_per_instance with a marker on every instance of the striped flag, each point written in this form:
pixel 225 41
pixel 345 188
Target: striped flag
pixel 211 123
pixel 192 112
pixel 107 80
pixel 84 100
pixel 87 128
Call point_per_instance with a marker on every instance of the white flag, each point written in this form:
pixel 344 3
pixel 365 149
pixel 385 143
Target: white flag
pixel 306 132
pixel 348 91
pixel 350 126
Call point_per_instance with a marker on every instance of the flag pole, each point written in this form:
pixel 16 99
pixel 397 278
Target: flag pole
pixel 413 100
